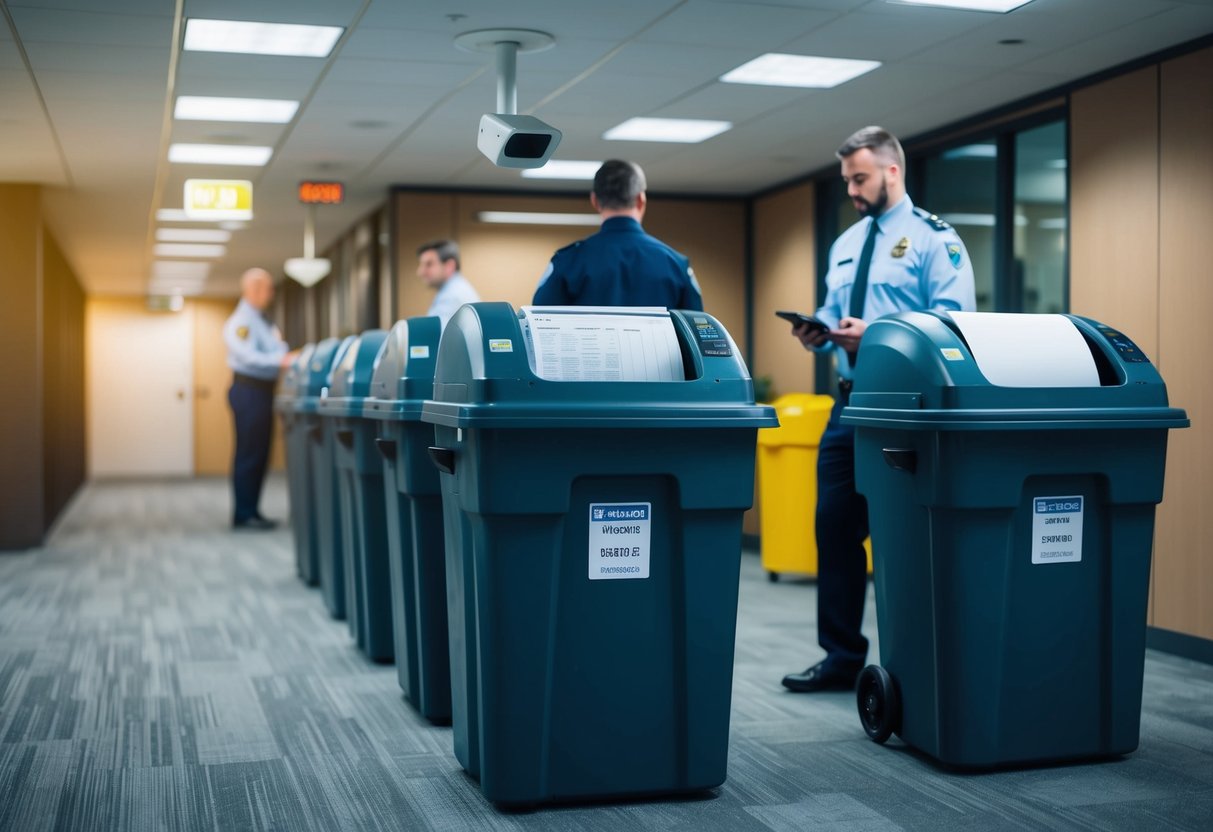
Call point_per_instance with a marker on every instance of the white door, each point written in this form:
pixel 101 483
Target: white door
pixel 140 367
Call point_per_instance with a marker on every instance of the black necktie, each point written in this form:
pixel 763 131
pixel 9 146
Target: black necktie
pixel 860 288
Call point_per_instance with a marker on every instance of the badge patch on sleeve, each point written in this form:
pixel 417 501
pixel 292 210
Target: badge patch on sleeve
pixel 954 254
pixel 242 332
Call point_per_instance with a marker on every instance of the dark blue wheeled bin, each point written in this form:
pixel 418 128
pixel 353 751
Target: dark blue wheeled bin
pixel 1011 484
pixel 329 536
pixel 359 470
pixel 403 379
pixel 298 464
pixel 593 541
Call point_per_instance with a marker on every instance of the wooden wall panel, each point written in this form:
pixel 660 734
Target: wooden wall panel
pixel 505 262
pixel 1183 562
pixel 784 278
pixel 21 435
pixel 1114 204
pixel 63 454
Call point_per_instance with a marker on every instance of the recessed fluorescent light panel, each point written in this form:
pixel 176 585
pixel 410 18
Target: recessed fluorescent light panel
pixel 537 218
pixel 184 269
pixel 253 38
pixel 563 169
pixel 1000 6
pixel 188 250
pixel 686 130
pixel 192 235
pixel 261 110
pixel 776 69
pixel 220 154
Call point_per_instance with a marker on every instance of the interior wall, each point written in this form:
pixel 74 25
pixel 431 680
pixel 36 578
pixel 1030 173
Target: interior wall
pixel 1141 181
pixel 784 278
pixel 1183 570
pixel 21 433
pixel 505 262
pixel 64 451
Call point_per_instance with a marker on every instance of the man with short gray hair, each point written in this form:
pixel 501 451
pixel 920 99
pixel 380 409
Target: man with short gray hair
pixel 621 265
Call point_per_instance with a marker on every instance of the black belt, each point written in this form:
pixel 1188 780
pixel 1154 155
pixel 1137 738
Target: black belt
pixel 252 381
pixel 844 389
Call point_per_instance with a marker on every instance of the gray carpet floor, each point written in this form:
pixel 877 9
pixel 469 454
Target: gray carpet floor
pixel 159 672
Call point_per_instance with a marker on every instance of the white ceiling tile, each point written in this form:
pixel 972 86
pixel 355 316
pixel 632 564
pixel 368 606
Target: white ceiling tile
pixel 733 25
pixel 249 68
pixel 881 35
pixel 103 59
pixel 96 29
pixel 143 7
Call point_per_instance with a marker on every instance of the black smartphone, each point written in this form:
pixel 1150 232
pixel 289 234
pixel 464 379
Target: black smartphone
pixel 798 318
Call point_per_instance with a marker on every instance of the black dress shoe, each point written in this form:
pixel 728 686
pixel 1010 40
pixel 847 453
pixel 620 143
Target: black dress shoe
pixel 259 524
pixel 819 677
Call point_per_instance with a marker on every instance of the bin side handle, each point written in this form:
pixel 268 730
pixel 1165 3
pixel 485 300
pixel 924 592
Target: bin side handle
pixel 387 447
pixel 443 459
pixel 346 438
pixel 901 459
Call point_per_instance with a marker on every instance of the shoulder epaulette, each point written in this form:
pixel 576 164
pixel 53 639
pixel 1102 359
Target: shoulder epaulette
pixel 568 248
pixel 932 220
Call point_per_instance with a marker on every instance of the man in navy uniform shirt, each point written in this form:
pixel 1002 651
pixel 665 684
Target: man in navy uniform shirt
pixel 897 258
pixel 255 352
pixel 621 265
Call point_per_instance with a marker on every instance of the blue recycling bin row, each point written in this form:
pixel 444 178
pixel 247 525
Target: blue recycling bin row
pixel 545 537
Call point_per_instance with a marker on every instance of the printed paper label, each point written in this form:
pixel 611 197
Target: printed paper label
pixel 619 540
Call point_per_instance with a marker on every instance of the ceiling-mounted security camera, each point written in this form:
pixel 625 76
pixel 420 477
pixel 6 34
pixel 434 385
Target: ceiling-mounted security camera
pixel 516 141
pixel 506 138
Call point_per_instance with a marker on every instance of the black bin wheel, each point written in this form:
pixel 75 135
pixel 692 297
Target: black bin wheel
pixel 773 577
pixel 879 704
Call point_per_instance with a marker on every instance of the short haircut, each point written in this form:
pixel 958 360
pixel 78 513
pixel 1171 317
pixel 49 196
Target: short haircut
pixel 881 142
pixel 617 184
pixel 445 249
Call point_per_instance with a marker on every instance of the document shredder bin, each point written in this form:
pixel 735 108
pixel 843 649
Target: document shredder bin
pixel 596 464
pixel 402 381
pixel 359 475
pixel 1011 465
pixel 298 464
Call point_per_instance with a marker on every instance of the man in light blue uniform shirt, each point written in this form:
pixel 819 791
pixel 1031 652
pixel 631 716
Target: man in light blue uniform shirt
pixel 438 266
pixel 621 265
pixel 255 352
pixel 897 258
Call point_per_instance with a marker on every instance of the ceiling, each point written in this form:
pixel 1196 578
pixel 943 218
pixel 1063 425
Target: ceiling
pixel 87 90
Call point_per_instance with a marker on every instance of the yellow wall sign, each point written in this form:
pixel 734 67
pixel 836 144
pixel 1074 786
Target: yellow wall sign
pixel 219 199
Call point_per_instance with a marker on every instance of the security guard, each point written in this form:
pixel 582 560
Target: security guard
pixel 621 265
pixel 255 352
pixel 897 258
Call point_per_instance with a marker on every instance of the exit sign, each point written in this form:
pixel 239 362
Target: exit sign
pixel 219 199
pixel 321 193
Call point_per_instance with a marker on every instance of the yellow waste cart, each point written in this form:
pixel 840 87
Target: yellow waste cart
pixel 787 484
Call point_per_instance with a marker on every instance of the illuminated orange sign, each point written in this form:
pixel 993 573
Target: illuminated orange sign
pixel 321 193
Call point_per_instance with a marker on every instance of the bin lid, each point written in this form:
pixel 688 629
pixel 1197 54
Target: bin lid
pixel 315 375
pixel 403 376
pixel 350 379
pixel 988 371
pixel 802 420
pixel 294 379
pixel 590 367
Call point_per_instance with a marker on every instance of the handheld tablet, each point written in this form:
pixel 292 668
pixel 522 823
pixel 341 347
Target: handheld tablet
pixel 798 318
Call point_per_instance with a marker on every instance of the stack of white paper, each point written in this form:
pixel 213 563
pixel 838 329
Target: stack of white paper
pixel 590 343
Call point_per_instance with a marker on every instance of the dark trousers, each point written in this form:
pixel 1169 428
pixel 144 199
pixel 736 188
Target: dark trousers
pixel 253 409
pixel 842 570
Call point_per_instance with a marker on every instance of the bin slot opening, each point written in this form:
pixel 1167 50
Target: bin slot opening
pixel 1109 374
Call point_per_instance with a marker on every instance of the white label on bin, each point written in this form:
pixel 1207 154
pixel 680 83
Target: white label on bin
pixel 1056 529
pixel 619 540
pixel 501 345
pixel 422 351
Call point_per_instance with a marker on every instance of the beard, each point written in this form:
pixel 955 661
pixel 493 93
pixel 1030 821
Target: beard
pixel 876 208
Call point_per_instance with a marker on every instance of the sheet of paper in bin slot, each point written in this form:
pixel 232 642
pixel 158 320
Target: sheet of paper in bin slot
pixel 1024 350
pixel 592 343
